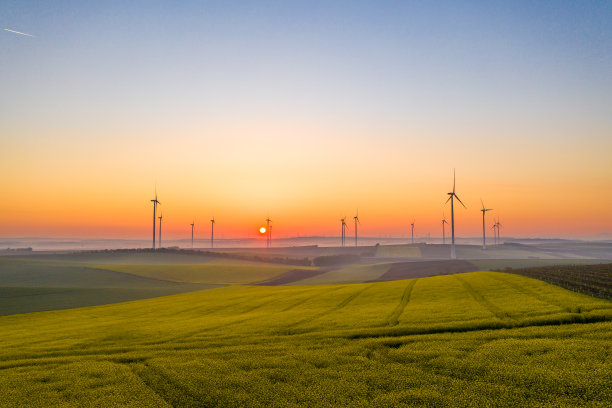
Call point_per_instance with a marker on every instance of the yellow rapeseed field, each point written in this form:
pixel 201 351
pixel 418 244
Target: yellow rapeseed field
pixel 473 339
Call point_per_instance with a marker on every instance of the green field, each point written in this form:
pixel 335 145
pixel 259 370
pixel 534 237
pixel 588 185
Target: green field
pixel 224 272
pixel 473 339
pixel 37 284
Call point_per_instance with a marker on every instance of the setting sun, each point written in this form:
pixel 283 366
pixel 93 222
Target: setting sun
pixel 262 230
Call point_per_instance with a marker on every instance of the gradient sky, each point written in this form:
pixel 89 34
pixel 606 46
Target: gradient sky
pixel 304 111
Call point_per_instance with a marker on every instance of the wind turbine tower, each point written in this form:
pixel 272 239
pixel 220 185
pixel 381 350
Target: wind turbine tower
pixel 155 203
pixel 484 237
pixel 192 224
pixel 212 232
pixel 498 231
pixel 268 236
pixel 412 227
pixel 159 239
pixel 356 219
pixel 443 233
pixel 344 227
pixel 453 195
pixel 494 228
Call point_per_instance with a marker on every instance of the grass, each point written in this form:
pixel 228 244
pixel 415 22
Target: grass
pixel 474 339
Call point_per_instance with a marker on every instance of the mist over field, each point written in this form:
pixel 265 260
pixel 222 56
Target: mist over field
pixel 67 244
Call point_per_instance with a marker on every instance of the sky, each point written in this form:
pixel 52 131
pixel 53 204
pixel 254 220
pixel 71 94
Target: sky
pixel 305 111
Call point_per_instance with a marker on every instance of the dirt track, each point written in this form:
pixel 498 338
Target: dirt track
pixel 410 270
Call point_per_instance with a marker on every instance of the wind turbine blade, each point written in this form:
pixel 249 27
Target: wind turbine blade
pixel 483 207
pixel 449 198
pixel 453 180
pixel 458 199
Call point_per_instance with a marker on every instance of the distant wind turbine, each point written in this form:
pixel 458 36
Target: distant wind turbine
pixel 499 225
pixel 192 224
pixel 344 229
pixel 451 199
pixel 484 237
pixel 356 220
pixel 443 234
pixel 212 232
pixel 268 236
pixel 412 227
pixel 494 228
pixel 155 203
pixel 160 221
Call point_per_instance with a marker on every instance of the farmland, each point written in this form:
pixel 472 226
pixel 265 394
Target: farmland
pixel 470 339
pixel 32 285
pixel 40 282
pixel 594 280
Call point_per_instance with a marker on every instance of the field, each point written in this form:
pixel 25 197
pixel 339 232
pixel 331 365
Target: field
pixel 471 339
pixel 41 282
pixel 212 273
pixel 594 280
pixel 37 284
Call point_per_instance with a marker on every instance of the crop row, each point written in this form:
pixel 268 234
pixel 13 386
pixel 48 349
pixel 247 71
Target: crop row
pixel 594 280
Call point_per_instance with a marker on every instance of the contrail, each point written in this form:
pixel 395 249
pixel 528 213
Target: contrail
pixel 20 33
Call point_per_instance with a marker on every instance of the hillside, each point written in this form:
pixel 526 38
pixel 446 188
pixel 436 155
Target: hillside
pixel 483 338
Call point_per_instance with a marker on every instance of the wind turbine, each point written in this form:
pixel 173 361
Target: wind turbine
pixel 484 210
pixel 412 226
pixel 155 202
pixel 344 228
pixel 268 236
pixel 498 231
pixel 451 199
pixel 212 232
pixel 443 234
pixel 356 220
pixel 192 224
pixel 160 220
pixel 494 228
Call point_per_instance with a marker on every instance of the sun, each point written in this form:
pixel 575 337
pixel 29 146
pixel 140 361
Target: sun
pixel 262 230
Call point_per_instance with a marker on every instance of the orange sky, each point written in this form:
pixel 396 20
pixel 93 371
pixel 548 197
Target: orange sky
pixel 75 188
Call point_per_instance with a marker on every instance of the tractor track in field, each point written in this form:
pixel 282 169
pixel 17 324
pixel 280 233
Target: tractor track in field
pixel 531 293
pixel 500 314
pixel 393 318
pixel 306 299
pixel 341 305
pixel 399 331
pixel 195 334
pixel 172 392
